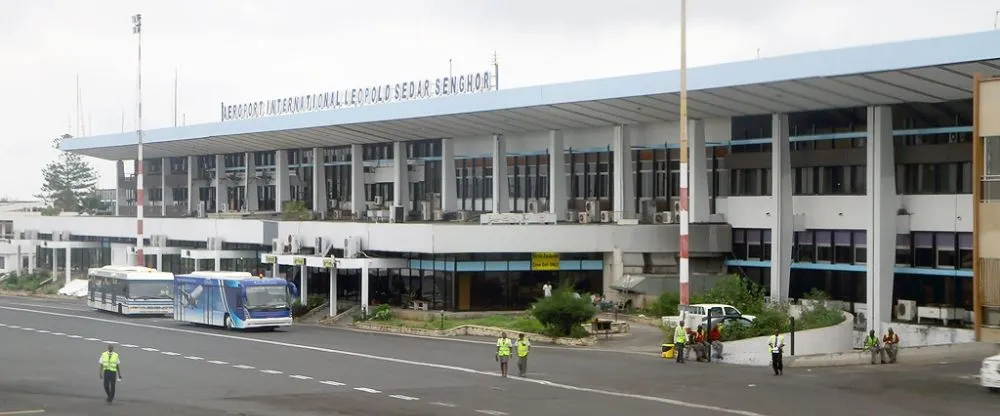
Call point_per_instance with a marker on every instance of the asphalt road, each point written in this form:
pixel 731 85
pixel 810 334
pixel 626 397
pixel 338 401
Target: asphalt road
pixel 48 353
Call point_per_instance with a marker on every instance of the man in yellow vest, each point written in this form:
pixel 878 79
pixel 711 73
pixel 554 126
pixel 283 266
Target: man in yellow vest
pixel 523 347
pixel 111 370
pixel 776 345
pixel 680 338
pixel 503 352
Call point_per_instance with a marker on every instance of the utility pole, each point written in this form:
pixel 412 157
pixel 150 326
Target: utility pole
pixel 684 266
pixel 140 258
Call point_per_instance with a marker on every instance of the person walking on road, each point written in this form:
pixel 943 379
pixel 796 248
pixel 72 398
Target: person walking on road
pixel 111 371
pixel 680 338
pixel 776 345
pixel 503 353
pixel 523 347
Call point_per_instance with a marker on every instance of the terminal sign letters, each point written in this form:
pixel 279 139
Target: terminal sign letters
pixel 356 97
pixel 545 262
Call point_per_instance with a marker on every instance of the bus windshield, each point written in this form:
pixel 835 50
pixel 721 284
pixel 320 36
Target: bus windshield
pixel 261 298
pixel 149 289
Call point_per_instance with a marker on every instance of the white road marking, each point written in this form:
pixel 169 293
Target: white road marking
pixel 3 325
pixel 442 404
pixel 15 327
pixel 969 377
pixel 492 412
pixel 129 345
pixel 402 397
pixel 42 331
pixel 367 390
pixel 270 371
pixel 193 358
pixel 53 307
pixel 150 349
pixel 663 400
pixel 92 339
pixel 332 383
pixel 22 412
pixel 109 342
pixel 58 333
pixel 172 354
pixel 218 362
pixel 296 376
pixel 244 367
pixel 74 336
pixel 28 329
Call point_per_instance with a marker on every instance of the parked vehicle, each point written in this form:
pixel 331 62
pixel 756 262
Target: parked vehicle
pixel 989 374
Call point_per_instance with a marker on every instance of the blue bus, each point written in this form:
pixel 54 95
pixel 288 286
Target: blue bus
pixel 233 300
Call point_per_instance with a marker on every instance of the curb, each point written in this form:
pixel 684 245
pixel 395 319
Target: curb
pixel 474 330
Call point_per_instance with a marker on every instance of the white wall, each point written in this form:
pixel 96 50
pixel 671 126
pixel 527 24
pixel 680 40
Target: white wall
pixel 913 335
pixel 754 351
pixel 849 212
pixel 640 134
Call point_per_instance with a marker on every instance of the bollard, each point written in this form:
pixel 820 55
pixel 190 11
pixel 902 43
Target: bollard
pixel 708 334
pixel 791 334
pixel 442 319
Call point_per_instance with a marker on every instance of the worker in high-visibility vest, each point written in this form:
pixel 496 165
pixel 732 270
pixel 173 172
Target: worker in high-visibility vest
pixel 680 338
pixel 523 347
pixel 111 370
pixel 503 352
pixel 776 345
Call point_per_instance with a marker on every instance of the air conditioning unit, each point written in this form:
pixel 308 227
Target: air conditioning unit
pixel 571 216
pixel 593 208
pixel 318 245
pixel 213 243
pixel 462 216
pixel 906 310
pixel 438 215
pixel 158 240
pixel 379 200
pixel 277 246
pixel 583 217
pixel 398 214
pixel 665 217
pixel 533 206
pixel 426 213
pixel 607 216
pixel 647 210
pixel 352 247
pixel 296 245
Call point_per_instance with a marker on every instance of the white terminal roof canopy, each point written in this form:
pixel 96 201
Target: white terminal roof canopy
pixel 920 71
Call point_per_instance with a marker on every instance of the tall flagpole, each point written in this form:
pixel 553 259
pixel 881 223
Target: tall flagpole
pixel 140 258
pixel 684 266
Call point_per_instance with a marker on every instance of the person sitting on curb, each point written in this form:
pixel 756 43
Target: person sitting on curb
pixel 715 340
pixel 872 345
pixel 890 346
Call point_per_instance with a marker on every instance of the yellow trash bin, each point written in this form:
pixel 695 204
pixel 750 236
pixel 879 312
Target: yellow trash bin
pixel 667 351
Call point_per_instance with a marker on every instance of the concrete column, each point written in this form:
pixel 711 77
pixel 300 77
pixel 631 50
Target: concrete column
pixel 274 268
pixel 781 208
pixel 120 187
pixel 218 262
pixel 159 261
pixel 400 177
pixel 882 202
pixel 557 197
pixel 304 284
pixel 449 180
pixel 20 259
pixel 192 202
pixel 698 190
pixel 501 190
pixel 55 262
pixel 282 188
pixel 623 201
pixel 250 182
pixel 357 181
pixel 320 200
pixel 168 195
pixel 364 288
pixel 69 264
pixel 221 199
pixel 333 291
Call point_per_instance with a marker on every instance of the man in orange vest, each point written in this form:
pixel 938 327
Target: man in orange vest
pixel 890 346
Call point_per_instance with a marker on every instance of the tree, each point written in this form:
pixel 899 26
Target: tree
pixel 564 312
pixel 68 182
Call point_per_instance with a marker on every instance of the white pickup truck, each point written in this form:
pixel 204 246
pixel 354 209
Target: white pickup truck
pixel 697 314
pixel 989 374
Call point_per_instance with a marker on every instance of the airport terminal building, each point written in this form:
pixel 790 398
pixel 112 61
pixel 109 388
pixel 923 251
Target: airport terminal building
pixel 850 171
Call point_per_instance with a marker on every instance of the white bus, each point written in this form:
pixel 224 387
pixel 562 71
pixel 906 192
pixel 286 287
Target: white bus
pixel 130 290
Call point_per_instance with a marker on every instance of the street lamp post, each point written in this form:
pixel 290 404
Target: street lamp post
pixel 140 258
pixel 684 266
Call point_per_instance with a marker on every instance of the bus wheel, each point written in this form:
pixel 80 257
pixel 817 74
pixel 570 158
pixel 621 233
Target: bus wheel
pixel 119 309
pixel 227 322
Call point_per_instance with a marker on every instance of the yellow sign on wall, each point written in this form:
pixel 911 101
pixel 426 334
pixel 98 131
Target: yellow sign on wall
pixel 299 261
pixel 270 259
pixel 328 263
pixel 545 262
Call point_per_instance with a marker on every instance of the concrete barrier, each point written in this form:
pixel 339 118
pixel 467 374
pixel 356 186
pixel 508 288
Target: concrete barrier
pixel 474 330
pixel 830 340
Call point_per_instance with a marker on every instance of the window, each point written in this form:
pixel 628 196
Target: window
pixel 805 250
pixel 803 181
pixel 754 244
pixel 904 256
pixel 859 184
pixel 860 247
pixel 766 250
pixel 923 250
pixel 945 245
pixel 965 250
pixel 824 246
pixel 842 251
pixel 739 244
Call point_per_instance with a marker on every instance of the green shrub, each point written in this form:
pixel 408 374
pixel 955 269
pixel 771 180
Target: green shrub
pixel 381 313
pixel 734 290
pixel 295 211
pixel 818 315
pixel 563 311
pixel 25 282
pixel 665 305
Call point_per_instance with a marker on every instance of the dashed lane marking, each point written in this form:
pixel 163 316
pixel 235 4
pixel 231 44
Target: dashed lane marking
pixel 28 329
pixel 218 362
pixel 59 333
pixel 22 412
pixel 492 412
pixel 172 354
pixel 332 383
pixel 129 345
pixel 244 367
pixel 42 331
pixel 92 339
pixel 443 404
pixel 193 358
pixel 15 327
pixel 271 371
pixel 150 349
pixel 74 336
pixel 367 390
pixel 655 399
pixel 402 397
pixel 300 377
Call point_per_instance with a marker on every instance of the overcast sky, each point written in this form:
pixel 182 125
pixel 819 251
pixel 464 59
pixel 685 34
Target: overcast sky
pixel 244 50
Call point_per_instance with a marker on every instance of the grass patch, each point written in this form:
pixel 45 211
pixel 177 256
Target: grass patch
pixel 515 323
pixel 27 282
